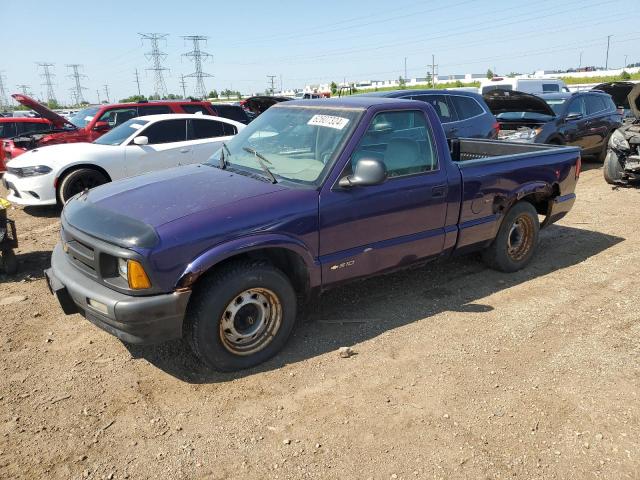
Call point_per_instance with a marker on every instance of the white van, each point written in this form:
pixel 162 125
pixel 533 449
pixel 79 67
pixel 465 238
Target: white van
pixel 526 85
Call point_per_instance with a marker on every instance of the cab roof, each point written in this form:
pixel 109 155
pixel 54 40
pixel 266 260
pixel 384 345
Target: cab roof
pixel 352 101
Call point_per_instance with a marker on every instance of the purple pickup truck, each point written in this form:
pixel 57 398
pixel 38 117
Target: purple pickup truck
pixel 311 194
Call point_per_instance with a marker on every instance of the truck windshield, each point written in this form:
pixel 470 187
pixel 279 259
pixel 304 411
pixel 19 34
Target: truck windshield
pixel 300 143
pixel 121 132
pixel 84 116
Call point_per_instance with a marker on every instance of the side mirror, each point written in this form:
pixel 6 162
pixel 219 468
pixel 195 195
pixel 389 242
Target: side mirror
pixel 101 126
pixel 368 171
pixel 574 116
pixel 141 140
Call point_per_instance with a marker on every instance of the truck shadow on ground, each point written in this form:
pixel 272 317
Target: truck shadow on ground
pixel 50 211
pixel 363 310
pixel 31 266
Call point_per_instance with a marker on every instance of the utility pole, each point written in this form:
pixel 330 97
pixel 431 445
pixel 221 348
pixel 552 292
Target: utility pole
pixel 405 69
pixel 281 87
pixel 138 83
pixel 198 56
pixel 183 84
pixel 4 103
pixel 156 56
pixel 106 92
pixel 433 70
pixel 271 78
pixel 48 80
pixel 76 75
pixel 625 64
pixel 24 89
pixel 606 63
pixel 580 62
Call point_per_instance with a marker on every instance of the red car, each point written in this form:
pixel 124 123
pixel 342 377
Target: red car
pixel 92 122
pixel 13 126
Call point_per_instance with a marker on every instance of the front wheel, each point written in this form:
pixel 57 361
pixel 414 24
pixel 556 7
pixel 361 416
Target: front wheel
pixel 613 171
pixel 78 181
pixel 517 238
pixel 241 315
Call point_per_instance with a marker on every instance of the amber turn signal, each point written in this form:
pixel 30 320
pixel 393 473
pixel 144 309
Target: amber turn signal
pixel 136 276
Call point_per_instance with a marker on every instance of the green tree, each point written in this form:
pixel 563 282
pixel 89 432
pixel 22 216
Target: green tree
pixel 227 93
pixel 334 88
pixel 133 98
pixel 213 94
pixel 625 75
pixel 402 83
pixel 490 74
pixel 53 104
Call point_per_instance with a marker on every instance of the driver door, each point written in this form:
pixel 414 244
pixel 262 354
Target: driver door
pixel 167 147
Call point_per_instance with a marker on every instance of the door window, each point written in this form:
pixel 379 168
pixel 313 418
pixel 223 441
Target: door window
pixel 401 141
pixel 153 110
pixel 577 107
pixel 441 106
pixel 118 116
pixel 190 108
pixel 7 129
pixel 206 129
pixel 466 107
pixel 594 104
pixel 550 87
pixel 166 131
pixel 35 127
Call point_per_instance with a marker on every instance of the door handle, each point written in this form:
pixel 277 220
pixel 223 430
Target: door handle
pixel 439 192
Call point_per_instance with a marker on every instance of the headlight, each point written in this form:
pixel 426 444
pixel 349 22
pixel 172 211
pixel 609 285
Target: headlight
pixel 525 134
pixel 133 272
pixel 29 171
pixel 618 141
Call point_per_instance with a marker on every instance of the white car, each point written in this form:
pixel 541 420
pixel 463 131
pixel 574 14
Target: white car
pixel 54 174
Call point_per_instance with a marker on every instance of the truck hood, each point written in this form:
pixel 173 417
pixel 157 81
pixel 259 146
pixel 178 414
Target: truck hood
pixel 62 154
pixel 161 197
pixel 619 91
pixel 57 120
pixel 503 101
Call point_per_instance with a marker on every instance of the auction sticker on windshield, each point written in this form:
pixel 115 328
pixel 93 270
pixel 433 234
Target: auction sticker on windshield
pixel 330 121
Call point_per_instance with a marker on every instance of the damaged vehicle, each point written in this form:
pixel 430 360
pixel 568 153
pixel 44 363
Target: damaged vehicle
pixel 580 119
pixel 619 92
pixel 622 164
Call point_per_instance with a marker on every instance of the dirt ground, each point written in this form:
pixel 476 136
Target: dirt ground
pixel 460 372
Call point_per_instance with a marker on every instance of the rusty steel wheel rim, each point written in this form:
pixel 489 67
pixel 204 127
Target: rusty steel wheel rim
pixel 520 238
pixel 250 321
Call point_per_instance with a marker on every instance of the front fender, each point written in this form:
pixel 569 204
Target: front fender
pixel 238 246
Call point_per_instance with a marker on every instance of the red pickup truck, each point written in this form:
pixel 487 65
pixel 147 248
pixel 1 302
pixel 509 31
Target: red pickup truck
pixel 92 122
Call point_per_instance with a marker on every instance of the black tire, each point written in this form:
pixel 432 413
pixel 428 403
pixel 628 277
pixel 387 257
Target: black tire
pixel 268 299
pixel 517 238
pixel 613 171
pixel 9 262
pixel 76 181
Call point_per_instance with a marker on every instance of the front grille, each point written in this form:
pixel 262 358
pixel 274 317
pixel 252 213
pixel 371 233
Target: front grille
pixel 81 255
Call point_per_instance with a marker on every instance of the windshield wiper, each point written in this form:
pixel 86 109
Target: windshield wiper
pixel 223 158
pixel 261 160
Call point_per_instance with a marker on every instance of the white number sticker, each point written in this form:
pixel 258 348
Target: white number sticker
pixel 328 121
pixel 136 126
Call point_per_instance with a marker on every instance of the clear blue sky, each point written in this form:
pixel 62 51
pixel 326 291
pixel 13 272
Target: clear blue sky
pixel 307 42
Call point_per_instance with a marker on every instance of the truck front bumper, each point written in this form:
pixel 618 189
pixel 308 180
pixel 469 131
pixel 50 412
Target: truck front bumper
pixel 137 320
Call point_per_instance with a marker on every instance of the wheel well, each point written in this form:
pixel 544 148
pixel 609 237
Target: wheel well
pixel 541 200
pixel 289 262
pixel 73 168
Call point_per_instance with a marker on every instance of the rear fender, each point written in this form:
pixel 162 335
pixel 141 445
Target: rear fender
pixel 539 193
pixel 239 246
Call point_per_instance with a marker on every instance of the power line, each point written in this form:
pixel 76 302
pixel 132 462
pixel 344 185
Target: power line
pixel 183 84
pixel 156 57
pixel 272 79
pixel 138 82
pixel 76 75
pixel 48 80
pixel 198 56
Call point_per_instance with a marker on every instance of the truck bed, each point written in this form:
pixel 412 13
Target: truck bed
pixel 465 149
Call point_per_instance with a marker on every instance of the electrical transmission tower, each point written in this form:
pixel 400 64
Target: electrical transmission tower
pixel 156 57
pixel 272 79
pixel 48 80
pixel 24 89
pixel 4 102
pixel 138 82
pixel 77 90
pixel 183 84
pixel 198 56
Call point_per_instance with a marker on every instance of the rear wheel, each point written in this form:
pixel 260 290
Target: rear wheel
pixel 515 244
pixel 613 171
pixel 78 181
pixel 241 315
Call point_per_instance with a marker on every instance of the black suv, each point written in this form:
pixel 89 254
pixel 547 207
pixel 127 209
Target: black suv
pixel 232 112
pixel 463 114
pixel 582 119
